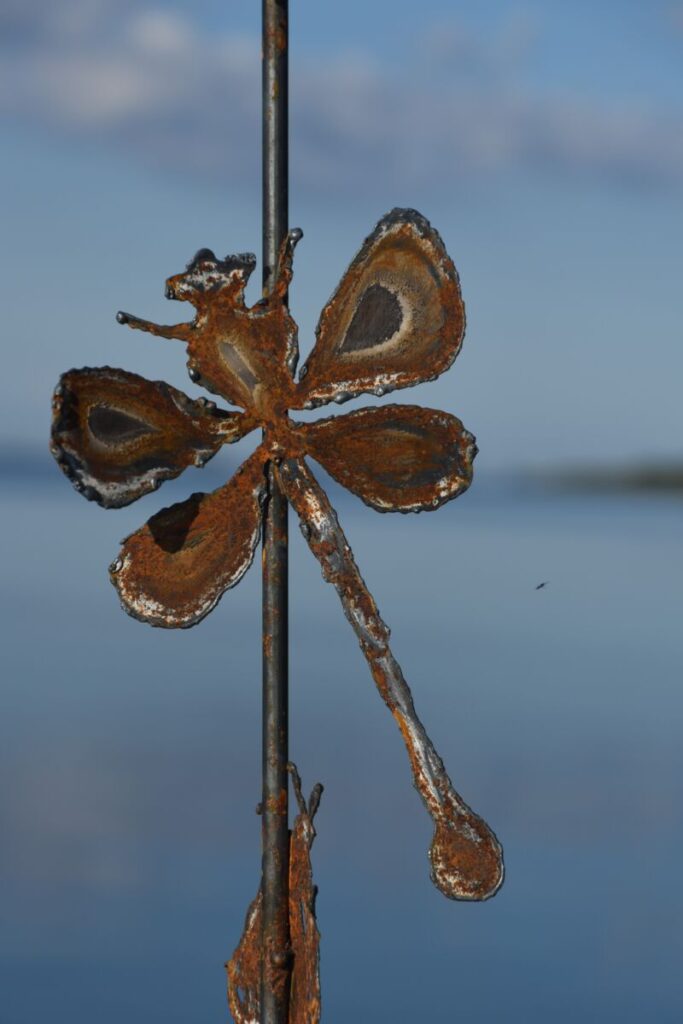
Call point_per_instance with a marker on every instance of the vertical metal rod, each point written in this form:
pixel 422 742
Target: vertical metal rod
pixel 275 949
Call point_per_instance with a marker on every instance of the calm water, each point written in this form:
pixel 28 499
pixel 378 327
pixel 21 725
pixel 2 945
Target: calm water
pixel 130 761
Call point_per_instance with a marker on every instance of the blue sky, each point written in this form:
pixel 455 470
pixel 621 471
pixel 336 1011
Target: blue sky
pixel 544 141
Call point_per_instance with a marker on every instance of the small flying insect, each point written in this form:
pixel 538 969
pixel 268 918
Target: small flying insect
pixel 540 586
pixel 396 319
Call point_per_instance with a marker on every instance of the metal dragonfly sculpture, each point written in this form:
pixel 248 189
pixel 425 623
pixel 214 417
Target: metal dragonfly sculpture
pixel 396 319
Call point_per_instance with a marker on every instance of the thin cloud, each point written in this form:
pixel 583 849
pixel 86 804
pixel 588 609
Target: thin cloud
pixel 172 94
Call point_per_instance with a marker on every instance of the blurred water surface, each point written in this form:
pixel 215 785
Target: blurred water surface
pixel 130 765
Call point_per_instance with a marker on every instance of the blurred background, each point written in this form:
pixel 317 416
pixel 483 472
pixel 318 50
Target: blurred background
pixel 545 142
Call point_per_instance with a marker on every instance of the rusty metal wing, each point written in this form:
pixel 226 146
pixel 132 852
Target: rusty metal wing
pixel 118 436
pixel 397 458
pixel 174 570
pixel 397 318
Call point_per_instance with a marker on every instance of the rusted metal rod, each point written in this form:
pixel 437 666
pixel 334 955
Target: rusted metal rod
pixel 275 944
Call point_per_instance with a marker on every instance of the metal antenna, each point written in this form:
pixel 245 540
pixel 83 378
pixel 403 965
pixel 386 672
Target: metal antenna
pixel 275 947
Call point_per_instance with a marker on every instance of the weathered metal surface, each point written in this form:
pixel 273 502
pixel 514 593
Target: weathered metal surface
pixel 466 857
pixel 397 458
pixel 174 570
pixel 304 998
pixel 396 319
pixel 244 968
pixel 246 355
pixel 303 978
pixel 275 849
pixel 277 251
pixel 118 436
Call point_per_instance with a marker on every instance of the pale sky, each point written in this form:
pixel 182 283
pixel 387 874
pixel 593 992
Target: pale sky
pixel 544 141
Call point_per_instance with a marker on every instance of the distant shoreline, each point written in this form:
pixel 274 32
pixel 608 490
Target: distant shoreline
pixel 33 463
pixel 652 477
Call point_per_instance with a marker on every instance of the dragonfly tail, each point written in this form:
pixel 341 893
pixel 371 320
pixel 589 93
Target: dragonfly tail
pixel 466 857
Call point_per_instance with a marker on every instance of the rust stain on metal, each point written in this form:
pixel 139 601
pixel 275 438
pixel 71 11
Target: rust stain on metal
pixel 276 35
pixel 300 966
pixel 304 997
pixel 173 571
pixel 396 319
pixel 247 356
pixel 117 436
pixel 465 855
pixel 244 969
pixel 397 458
pixel 278 806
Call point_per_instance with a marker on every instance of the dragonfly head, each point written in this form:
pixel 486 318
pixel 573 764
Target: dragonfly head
pixel 206 274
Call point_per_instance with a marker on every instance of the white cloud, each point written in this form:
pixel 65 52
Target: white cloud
pixel 161 32
pixel 148 79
